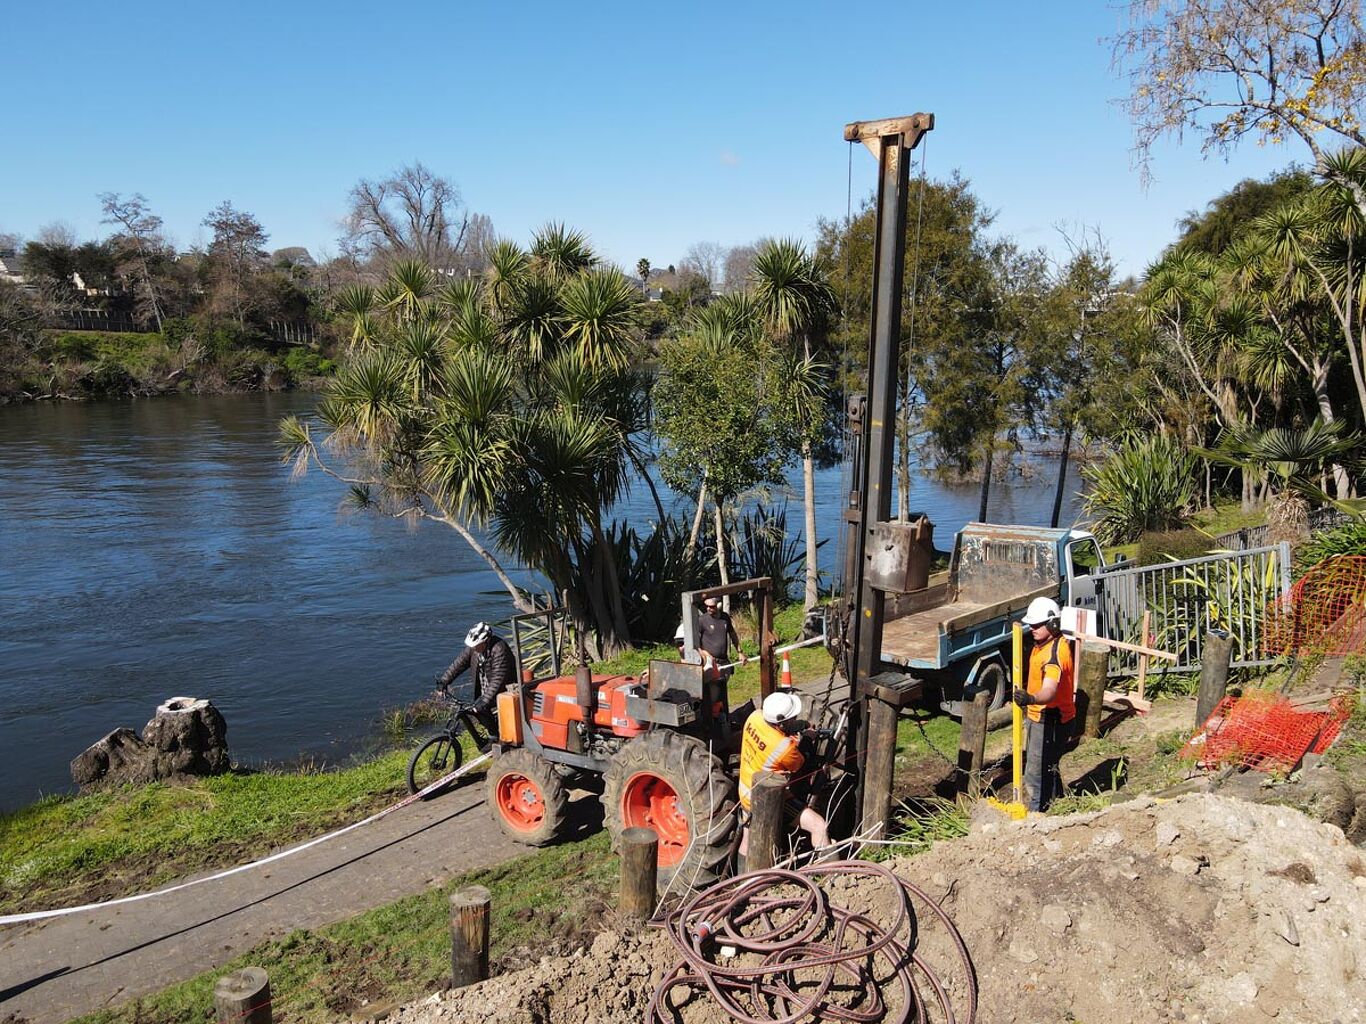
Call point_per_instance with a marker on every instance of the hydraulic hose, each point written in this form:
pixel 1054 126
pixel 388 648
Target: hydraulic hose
pixel 805 945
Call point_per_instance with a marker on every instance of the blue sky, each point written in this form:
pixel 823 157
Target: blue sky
pixel 648 126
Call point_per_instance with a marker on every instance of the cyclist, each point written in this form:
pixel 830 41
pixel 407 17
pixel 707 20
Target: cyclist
pixel 492 668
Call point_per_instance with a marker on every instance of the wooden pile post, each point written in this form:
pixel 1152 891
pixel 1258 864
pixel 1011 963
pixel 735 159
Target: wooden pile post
pixel 765 820
pixel 1214 663
pixel 639 873
pixel 243 997
pixel 1092 669
pixel 972 743
pixel 469 935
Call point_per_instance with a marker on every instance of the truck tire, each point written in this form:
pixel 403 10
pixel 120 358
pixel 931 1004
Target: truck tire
pixel 527 798
pixel 994 680
pixel 671 784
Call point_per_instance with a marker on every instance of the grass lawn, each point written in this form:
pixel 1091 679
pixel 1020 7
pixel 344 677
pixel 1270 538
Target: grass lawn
pixel 549 900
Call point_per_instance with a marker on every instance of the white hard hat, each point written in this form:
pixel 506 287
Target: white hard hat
pixel 478 633
pixel 780 706
pixel 1041 610
pixel 679 635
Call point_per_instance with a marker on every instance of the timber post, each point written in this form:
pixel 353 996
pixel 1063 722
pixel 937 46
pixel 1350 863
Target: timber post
pixel 469 935
pixel 879 765
pixel 243 997
pixel 639 873
pixel 765 819
pixel 972 743
pixel 1214 662
pixel 1092 670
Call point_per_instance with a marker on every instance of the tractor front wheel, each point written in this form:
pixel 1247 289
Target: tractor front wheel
pixel 669 783
pixel 527 797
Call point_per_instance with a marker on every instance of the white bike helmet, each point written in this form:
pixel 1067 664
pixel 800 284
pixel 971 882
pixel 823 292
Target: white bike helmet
pixel 478 633
pixel 780 706
pixel 1041 610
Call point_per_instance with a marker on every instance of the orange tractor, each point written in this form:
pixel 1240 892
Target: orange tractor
pixel 654 746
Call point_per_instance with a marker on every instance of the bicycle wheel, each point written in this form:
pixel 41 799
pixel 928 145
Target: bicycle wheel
pixel 435 758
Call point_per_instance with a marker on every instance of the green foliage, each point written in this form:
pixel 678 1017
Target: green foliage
pixel 760 546
pixel 304 364
pixel 1347 539
pixel 1177 545
pixel 1146 484
pixel 719 412
pixel 507 404
pixel 1229 216
pixel 920 824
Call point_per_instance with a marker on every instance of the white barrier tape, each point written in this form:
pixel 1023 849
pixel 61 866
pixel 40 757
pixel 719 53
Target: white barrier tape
pixel 445 780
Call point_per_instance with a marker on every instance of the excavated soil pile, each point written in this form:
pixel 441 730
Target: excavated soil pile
pixel 1203 909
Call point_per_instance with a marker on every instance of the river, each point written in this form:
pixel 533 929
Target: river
pixel 158 548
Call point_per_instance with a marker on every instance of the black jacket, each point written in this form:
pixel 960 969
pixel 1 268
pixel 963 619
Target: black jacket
pixel 491 671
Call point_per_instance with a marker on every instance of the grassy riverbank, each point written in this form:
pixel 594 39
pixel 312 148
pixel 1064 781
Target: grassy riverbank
pixel 184 359
pixel 67 850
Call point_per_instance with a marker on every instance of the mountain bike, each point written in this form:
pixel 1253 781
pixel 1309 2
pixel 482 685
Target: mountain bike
pixel 442 754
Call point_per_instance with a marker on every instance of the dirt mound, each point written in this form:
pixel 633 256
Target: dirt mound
pixel 1202 909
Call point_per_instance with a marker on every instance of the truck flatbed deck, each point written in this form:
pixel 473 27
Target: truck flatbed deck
pixel 913 640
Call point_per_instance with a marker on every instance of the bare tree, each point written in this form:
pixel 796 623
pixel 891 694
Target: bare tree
pixel 237 252
pixel 473 257
pixel 704 259
pixel 140 244
pixel 1227 69
pixel 739 262
pixel 412 214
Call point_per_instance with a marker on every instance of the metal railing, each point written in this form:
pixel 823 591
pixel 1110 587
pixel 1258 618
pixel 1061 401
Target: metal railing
pixel 1187 599
pixel 1320 519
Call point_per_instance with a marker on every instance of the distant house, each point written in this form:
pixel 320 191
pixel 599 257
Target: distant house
pixel 11 268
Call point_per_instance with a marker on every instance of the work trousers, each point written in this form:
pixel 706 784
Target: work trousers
pixel 1045 740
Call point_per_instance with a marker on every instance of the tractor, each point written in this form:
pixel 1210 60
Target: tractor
pixel 654 746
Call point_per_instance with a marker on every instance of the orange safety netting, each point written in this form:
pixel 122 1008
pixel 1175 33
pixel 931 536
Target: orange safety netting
pixel 1264 731
pixel 1324 613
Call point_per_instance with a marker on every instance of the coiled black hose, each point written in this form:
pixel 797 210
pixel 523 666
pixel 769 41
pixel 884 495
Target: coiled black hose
pixel 803 931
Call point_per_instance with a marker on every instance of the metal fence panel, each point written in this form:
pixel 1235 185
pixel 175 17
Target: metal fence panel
pixel 1189 598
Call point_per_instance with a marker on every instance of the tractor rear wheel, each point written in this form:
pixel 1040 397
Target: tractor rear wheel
pixel 527 797
pixel 669 783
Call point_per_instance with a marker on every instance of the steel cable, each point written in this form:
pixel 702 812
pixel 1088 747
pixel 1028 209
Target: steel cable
pixel 786 920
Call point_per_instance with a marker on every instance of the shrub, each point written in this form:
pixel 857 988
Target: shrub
pixel 1146 484
pixel 303 364
pixel 1159 545
pixel 1347 539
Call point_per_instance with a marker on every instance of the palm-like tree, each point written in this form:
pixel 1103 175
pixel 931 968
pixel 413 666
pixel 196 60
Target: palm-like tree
pixel 1292 458
pixel 793 294
pixel 503 404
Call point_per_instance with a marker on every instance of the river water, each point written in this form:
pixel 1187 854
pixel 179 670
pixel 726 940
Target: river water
pixel 158 548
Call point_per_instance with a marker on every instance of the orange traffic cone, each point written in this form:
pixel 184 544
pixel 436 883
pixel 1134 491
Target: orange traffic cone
pixel 787 670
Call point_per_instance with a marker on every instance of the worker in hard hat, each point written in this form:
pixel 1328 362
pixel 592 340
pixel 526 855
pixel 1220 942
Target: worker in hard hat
pixel 1049 701
pixel 772 743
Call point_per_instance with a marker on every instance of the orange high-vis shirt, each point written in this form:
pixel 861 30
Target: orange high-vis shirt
pixel 1052 659
pixel 766 748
